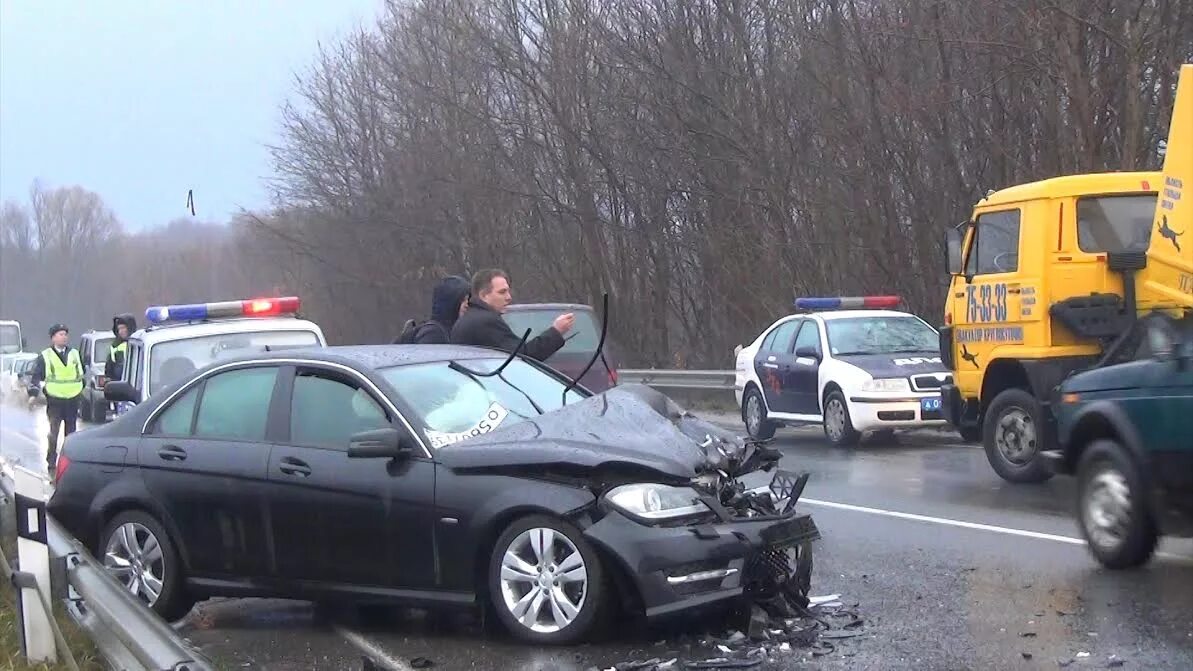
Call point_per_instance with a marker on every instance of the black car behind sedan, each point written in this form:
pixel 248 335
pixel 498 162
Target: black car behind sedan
pixel 426 475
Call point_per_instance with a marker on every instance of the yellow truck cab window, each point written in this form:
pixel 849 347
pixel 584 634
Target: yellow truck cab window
pixel 1120 223
pixel 995 248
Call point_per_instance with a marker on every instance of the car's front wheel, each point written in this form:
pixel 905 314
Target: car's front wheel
pixel 1112 508
pixel 838 427
pixel 139 554
pixel 546 582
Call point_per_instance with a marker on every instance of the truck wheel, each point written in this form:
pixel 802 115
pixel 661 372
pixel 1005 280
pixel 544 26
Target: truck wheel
pixel 1111 507
pixel 1014 436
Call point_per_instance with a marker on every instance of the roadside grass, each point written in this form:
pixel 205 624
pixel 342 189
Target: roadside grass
pixel 85 653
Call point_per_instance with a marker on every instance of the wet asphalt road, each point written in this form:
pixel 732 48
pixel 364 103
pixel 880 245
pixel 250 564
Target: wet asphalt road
pixel 951 568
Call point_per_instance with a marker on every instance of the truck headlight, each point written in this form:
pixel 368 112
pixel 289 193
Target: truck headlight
pixel 652 502
pixel 886 384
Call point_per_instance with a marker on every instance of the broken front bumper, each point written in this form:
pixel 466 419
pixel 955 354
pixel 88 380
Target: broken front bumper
pixel 683 568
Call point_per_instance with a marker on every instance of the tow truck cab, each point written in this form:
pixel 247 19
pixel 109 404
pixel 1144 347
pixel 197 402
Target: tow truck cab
pixel 183 338
pixel 1050 278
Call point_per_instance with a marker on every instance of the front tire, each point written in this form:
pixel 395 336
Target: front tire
pixel 1014 434
pixel 838 427
pixel 1112 507
pixel 546 583
pixel 753 413
pixel 138 553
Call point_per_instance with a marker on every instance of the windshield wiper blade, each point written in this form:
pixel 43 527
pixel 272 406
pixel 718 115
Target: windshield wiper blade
pixel 599 353
pixel 456 365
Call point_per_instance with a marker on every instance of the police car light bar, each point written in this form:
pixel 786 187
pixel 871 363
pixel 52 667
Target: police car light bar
pixel 840 302
pixel 255 307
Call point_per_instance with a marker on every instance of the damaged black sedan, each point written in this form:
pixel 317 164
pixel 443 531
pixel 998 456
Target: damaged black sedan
pixel 431 476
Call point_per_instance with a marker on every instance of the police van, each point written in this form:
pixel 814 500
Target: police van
pixel 181 339
pixel 844 362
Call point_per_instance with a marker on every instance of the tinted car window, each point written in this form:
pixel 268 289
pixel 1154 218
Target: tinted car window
pixel 176 420
pixel 784 335
pixel 1115 223
pixel 326 411
pixel 880 335
pixel 809 336
pixel 584 336
pixel 453 405
pixel 236 404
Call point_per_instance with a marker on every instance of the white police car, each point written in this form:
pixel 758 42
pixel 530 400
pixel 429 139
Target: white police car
pixel 183 338
pixel 853 370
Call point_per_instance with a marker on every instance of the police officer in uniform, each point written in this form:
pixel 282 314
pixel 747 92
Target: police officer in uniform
pixel 122 327
pixel 62 370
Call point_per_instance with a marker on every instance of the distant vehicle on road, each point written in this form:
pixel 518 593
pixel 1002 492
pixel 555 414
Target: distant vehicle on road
pixel 13 384
pixel 183 338
pixel 11 340
pixel 581 342
pixel 1126 432
pixel 430 475
pixel 845 364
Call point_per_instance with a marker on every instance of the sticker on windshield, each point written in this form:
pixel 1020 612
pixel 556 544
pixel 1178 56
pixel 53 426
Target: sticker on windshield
pixel 493 418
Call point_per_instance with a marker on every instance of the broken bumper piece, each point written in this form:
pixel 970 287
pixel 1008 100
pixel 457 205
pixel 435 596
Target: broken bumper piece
pixel 678 569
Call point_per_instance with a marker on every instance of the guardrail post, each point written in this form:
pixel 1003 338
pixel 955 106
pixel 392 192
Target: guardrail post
pixel 33 557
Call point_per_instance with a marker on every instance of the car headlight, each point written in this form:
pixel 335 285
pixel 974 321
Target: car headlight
pixel 652 501
pixel 886 384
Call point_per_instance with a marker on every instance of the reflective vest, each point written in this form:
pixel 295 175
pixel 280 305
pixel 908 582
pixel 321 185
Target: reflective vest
pixel 119 352
pixel 63 380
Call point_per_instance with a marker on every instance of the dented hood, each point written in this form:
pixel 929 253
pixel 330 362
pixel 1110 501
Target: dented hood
pixel 629 425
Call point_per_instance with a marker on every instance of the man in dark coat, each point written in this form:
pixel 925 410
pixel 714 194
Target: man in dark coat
pixel 482 324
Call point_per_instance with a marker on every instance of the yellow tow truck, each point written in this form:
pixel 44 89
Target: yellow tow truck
pixel 1050 278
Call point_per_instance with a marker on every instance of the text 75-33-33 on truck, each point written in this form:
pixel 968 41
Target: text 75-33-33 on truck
pixel 1051 278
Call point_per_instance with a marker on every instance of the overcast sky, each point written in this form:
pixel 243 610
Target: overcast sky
pixel 141 101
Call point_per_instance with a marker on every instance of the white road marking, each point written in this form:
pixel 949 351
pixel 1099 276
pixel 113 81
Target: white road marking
pixel 966 525
pixel 22 436
pixel 373 650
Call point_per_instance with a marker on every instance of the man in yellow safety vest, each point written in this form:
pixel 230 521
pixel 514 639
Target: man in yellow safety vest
pixel 61 369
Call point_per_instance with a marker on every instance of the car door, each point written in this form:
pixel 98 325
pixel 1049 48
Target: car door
pixel 773 365
pixel 341 520
pixel 204 459
pixel 805 371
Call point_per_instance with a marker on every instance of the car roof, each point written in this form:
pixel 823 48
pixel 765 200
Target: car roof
pixel 181 331
pixel 379 356
pixel 527 307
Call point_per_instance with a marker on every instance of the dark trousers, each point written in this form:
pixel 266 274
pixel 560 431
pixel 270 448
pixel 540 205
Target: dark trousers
pixel 60 411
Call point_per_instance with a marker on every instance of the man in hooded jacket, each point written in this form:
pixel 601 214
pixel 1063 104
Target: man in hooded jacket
pixel 449 300
pixel 122 327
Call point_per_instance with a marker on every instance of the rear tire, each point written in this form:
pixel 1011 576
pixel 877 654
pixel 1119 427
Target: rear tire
pixel 753 413
pixel 1014 434
pixel 1112 507
pixel 553 594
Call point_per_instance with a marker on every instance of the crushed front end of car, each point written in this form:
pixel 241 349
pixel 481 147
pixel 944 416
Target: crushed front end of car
pixel 711 539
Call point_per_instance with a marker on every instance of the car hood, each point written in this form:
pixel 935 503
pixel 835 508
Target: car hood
pixel 630 426
pixel 1130 375
pixel 902 364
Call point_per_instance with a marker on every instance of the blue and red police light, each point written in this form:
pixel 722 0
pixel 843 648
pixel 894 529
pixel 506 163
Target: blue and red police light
pixel 254 307
pixel 844 302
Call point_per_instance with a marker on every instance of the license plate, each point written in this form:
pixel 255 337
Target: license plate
pixel 930 404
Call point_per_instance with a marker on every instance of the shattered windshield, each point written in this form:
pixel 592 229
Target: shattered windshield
pixel 454 405
pixel 175 360
pixel 880 335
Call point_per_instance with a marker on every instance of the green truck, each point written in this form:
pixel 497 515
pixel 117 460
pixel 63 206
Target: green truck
pixel 1126 432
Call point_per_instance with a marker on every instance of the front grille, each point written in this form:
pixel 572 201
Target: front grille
pixel 929 382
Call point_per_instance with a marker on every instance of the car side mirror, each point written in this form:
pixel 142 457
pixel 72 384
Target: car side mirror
pixel 387 443
pixel 807 352
pixel 118 390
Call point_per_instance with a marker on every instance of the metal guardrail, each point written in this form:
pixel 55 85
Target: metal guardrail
pixel 679 379
pixel 128 634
